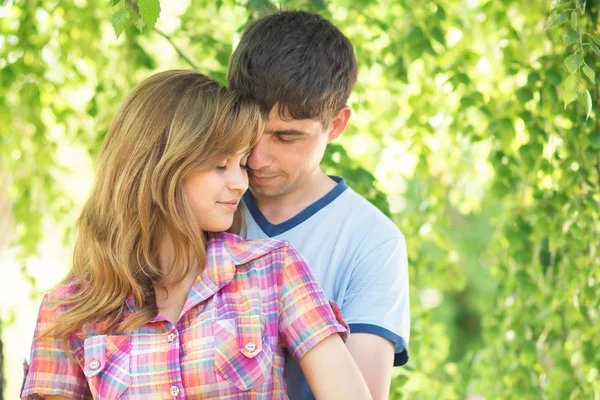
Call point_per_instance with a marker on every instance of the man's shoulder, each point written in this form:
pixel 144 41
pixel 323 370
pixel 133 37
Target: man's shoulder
pixel 365 218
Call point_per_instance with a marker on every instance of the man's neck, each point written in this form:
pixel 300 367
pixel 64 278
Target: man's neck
pixel 278 209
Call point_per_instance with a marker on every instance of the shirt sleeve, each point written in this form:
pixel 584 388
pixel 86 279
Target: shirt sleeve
pixel 305 315
pixel 377 296
pixel 51 370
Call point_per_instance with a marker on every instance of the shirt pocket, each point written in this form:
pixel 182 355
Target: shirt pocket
pixel 106 365
pixel 242 356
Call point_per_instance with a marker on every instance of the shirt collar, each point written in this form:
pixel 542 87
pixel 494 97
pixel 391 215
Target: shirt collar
pixel 225 252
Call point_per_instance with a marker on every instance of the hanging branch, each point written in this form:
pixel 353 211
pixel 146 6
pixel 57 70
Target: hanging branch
pixel 138 17
pixel 183 56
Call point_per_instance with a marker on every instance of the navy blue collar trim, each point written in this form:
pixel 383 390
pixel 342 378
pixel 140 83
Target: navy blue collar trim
pixel 274 230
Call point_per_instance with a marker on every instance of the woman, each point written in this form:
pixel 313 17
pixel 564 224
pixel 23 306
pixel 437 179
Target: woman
pixel 160 302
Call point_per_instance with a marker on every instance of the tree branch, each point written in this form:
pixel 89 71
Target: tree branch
pixel 183 56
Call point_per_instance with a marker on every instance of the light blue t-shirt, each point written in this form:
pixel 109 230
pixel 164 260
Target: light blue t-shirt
pixel 358 256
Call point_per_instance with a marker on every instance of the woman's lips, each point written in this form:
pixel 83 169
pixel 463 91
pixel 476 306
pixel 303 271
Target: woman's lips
pixel 231 205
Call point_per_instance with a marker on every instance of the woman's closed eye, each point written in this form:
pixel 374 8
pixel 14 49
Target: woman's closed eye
pixel 243 164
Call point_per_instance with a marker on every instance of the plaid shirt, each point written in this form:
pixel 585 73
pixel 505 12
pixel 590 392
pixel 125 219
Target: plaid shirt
pixel 254 300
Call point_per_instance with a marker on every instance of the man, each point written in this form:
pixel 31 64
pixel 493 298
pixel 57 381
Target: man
pixel 302 69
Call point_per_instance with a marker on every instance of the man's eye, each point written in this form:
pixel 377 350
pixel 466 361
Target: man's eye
pixel 284 140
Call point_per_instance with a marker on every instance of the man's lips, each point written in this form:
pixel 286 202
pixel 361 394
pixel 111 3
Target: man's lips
pixel 260 179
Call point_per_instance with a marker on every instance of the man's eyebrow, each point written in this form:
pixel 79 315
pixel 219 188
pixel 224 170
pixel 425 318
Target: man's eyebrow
pixel 291 132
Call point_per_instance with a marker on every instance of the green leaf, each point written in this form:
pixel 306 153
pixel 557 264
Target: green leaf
pixel 462 78
pixel 569 97
pixel 556 18
pixel 590 73
pixel 319 5
pixel 573 62
pixel 571 83
pixel 524 95
pixel 558 2
pixel 149 10
pixel 587 100
pixel 595 39
pixel 575 394
pixel 440 12
pixel 594 138
pixel 438 35
pixel 574 20
pixel 571 37
pixel 140 24
pixel 595 48
pixel 553 76
pixel 115 2
pixel 120 20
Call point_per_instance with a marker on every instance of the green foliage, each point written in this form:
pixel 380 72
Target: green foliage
pixel 478 121
pixel 149 11
pixel 120 20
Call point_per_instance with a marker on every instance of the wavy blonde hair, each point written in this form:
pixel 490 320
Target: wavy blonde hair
pixel 173 124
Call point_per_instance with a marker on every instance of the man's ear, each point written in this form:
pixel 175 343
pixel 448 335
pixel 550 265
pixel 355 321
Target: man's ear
pixel 339 123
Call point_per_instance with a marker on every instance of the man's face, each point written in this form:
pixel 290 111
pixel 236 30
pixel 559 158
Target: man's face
pixel 287 156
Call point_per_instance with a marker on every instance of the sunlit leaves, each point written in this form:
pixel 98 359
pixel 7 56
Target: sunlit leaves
pixel 587 99
pixel 149 10
pixel 573 62
pixel 571 83
pixel 142 13
pixel 559 3
pixel 571 37
pixel 120 20
pixel 590 73
pixel 450 89
pixel 556 19
pixel 569 97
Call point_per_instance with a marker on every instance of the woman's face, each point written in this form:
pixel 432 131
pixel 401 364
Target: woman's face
pixel 214 195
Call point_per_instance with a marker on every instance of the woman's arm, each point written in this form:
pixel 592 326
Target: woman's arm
pixel 332 373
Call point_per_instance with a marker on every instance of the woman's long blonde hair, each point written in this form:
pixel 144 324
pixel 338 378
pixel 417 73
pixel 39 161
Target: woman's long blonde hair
pixel 173 124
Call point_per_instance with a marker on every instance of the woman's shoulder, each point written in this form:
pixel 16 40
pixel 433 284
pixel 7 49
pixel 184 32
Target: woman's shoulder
pixel 244 250
pixel 58 297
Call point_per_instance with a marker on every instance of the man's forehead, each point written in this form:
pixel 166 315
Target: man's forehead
pixel 275 123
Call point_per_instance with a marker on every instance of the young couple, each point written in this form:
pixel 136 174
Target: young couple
pixel 164 300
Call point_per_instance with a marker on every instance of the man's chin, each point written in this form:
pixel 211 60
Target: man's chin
pixel 264 190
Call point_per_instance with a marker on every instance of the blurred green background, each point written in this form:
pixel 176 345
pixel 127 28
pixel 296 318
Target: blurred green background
pixel 475 128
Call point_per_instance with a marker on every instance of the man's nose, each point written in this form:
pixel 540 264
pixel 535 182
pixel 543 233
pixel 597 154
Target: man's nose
pixel 261 155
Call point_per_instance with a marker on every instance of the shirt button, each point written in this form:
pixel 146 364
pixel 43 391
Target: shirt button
pixel 94 365
pixel 171 337
pixel 174 391
pixel 250 347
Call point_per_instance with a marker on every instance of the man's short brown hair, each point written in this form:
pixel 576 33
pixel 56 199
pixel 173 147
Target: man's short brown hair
pixel 298 61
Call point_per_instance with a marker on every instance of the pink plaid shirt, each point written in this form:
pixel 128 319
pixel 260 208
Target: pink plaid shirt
pixel 254 300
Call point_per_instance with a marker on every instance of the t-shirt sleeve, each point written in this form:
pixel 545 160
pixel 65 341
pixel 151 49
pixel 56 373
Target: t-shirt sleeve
pixel 377 296
pixel 50 370
pixel 305 315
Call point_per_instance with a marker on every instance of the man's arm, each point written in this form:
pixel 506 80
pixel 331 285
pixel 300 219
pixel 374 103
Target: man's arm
pixel 374 356
pixel 376 307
